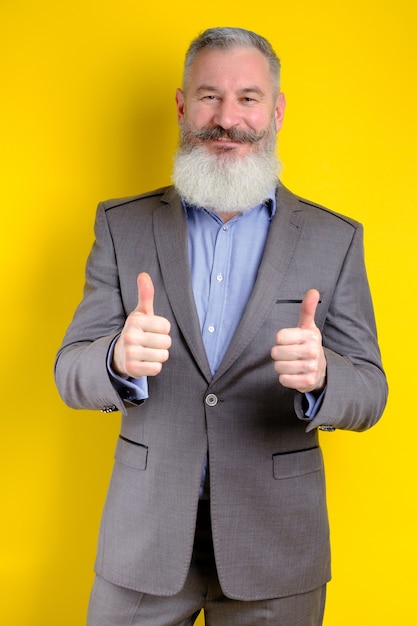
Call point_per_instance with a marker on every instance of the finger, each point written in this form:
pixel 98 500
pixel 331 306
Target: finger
pixel 290 337
pixel 145 294
pixel 151 355
pixel 308 309
pixel 288 351
pixel 158 339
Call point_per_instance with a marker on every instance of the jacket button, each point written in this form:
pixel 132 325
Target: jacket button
pixel 211 399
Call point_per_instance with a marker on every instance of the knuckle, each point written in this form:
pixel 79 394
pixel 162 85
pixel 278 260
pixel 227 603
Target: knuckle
pixel 154 368
pixel 280 336
pixel 130 353
pixel 167 342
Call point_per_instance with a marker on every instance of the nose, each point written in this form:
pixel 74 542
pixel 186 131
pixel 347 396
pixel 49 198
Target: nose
pixel 227 114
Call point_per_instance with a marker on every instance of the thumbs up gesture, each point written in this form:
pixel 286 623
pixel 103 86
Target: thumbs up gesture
pixel 298 354
pixel 144 343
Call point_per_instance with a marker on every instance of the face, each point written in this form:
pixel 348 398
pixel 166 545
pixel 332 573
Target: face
pixel 229 102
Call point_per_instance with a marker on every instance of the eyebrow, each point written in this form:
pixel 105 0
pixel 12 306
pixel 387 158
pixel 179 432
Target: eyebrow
pixel 244 90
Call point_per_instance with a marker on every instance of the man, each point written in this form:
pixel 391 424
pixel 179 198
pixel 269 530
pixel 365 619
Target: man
pixel 229 321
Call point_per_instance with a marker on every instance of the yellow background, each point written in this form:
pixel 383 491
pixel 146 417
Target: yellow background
pixel 87 113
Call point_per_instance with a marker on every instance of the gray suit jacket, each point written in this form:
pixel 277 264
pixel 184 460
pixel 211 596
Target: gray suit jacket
pixel 268 507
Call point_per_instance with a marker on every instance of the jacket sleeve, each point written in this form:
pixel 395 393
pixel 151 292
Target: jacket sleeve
pixel 356 391
pixel 81 372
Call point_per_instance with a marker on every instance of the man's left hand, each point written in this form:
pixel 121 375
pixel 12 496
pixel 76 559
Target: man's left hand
pixel 298 354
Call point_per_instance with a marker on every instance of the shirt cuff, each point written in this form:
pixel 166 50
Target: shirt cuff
pixel 313 403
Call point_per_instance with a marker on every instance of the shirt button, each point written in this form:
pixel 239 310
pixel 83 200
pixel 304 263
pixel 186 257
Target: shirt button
pixel 225 228
pixel 211 399
pixel 211 329
pixel 219 277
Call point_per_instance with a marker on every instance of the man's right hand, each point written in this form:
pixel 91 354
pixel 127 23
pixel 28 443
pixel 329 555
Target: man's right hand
pixel 144 343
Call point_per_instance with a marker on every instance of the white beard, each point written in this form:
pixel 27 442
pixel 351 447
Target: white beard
pixel 223 182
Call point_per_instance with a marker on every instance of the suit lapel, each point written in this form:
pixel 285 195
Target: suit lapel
pixel 170 231
pixel 282 241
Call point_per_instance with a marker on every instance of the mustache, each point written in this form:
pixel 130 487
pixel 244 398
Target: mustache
pixel 234 134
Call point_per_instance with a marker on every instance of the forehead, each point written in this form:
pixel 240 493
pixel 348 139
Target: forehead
pixel 236 68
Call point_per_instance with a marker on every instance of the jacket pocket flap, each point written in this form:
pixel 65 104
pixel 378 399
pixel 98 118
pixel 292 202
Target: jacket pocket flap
pixel 293 464
pixel 131 453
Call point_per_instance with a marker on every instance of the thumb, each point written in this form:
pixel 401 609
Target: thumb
pixel 308 309
pixel 145 294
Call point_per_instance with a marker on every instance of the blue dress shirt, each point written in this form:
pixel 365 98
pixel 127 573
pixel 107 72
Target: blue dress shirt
pixel 224 261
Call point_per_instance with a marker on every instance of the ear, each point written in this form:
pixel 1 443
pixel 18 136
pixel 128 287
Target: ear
pixel 279 111
pixel 179 99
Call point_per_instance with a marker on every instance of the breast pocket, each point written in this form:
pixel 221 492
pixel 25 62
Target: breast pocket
pixel 287 305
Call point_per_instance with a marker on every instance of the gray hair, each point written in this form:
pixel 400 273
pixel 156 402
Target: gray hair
pixel 224 38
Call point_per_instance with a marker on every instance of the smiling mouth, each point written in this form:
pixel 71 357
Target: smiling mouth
pixel 226 141
pixel 223 145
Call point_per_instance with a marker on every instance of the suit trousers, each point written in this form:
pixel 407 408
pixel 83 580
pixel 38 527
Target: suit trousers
pixel 111 605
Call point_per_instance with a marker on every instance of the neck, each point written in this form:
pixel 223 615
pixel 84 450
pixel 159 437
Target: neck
pixel 225 217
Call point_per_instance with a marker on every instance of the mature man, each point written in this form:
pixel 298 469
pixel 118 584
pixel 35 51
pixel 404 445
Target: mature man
pixel 229 321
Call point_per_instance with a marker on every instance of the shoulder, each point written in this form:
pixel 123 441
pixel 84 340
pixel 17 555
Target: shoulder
pixel 150 199
pixel 313 211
